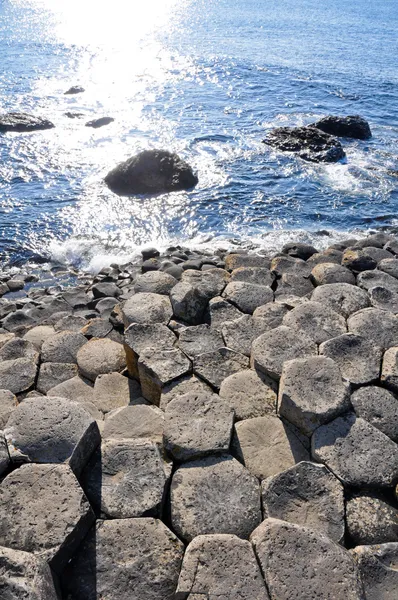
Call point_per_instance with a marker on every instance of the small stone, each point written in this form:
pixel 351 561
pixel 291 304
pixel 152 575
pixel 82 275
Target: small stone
pixel 219 311
pixel 199 339
pixel 8 403
pixel 235 261
pixel 147 308
pixel 292 284
pixel 96 123
pixel 357 260
pixel 378 570
pixel 137 422
pixel 358 454
pixel 370 520
pixel 98 357
pixel 377 325
pixel 182 386
pixel 249 394
pixel 343 298
pixel 24 576
pixel 256 275
pixel 155 282
pixel 325 273
pixel 75 89
pixel 188 302
pixel 17 375
pixel 214 367
pixel 316 321
pixel 140 336
pixel 272 314
pixel 113 390
pixel 62 347
pixel 379 407
pixel 51 374
pixel 376 278
pixel 359 358
pixel 158 368
pixel 306 494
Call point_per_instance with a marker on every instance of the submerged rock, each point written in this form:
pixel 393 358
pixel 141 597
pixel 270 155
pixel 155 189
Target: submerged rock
pixel 353 126
pixel 96 123
pixel 75 89
pixel 151 172
pixel 310 143
pixel 22 122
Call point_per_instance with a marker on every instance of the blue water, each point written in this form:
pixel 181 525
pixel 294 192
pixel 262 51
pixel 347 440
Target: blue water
pixel 207 79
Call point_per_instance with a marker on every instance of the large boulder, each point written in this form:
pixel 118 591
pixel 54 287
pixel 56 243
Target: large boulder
pixel 353 126
pixel 22 122
pixel 151 172
pixel 310 143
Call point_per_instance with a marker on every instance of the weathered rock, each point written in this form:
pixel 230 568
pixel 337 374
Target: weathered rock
pixel 17 321
pixel 181 386
pixel 52 374
pixel 51 430
pixel 316 321
pixel 113 390
pixel 214 367
pixel 273 348
pixel 139 422
pixel 377 566
pixel 392 246
pixel 343 298
pixel 215 564
pixel 4 455
pixel 293 284
pixel 384 299
pixel 374 324
pixel 299 250
pixel 272 314
pixel 288 264
pixel 151 172
pixel 68 323
pixel 375 278
pixel 358 454
pixel 62 347
pixel 321 568
pixel 200 339
pixel 189 302
pixel 306 494
pixel 357 260
pixel 8 403
pixel 6 337
pixel 235 261
pixel 98 357
pixel 239 335
pixel 17 375
pixel 158 368
pixel 96 123
pixel 147 308
pixel 19 348
pixel 219 311
pixel 138 559
pixel 247 296
pixel 310 143
pixel 330 256
pixel 96 328
pixel 249 394
pixel 389 371
pixel 379 407
pixel 76 389
pixel 359 358
pixel 149 253
pixel 23 576
pixel 211 283
pixel 351 127
pixel 23 122
pixel 325 273
pixel 256 275
pixel 146 335
pixel 155 282
pixel 370 520
pixel 44 510
pixel 105 289
pixel 200 491
pixel 377 253
pixel 389 266
pixel 75 89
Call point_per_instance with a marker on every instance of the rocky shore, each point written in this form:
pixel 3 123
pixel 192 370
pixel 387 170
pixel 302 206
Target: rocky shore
pixel 203 427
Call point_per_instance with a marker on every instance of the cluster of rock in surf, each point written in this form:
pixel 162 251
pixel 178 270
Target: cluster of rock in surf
pixel 202 427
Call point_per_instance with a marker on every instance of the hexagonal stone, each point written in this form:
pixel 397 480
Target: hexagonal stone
pixel 113 390
pixel 272 313
pixel 158 368
pixel 76 389
pixel 216 563
pixel 381 297
pixel 379 407
pixel 273 348
pixel 188 302
pixel 247 296
pixel 135 422
pixel 321 568
pixel 390 266
pixel 371 520
pixel 288 264
pixel 312 392
pixel 6 337
pixel 343 298
pixel 358 358
pixel 370 279
pixel 357 453
pixel 44 510
pixel 236 260
pixel 200 339
pixel 219 311
pixel 306 494
pixel 267 446
pixel 98 357
pixel 200 491
pixel 98 328
pixel 147 308
pixel 377 566
pixel 70 323
pixel 8 403
pixel 155 282
pixel 62 347
pixel 249 394
pixel 377 253
pixel 126 478
pixel 23 576
pixel 316 321
pixel 180 386
pixel 293 284
pixel 214 367
pixel 197 424
pixel 257 275
pixel 17 375
pixel 19 348
pixel 51 430
pixel 325 273
pixel 52 374
pixel 146 335
pixel 18 321
pixel 377 325
pixel 210 283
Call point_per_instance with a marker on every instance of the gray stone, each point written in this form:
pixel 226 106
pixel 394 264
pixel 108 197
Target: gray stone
pixel 105 289
pixel 358 454
pixel 220 566
pixel 180 386
pixel 98 357
pixel 272 314
pixel 8 403
pixel 211 283
pixel 69 323
pixel 17 375
pixel 235 261
pixel 19 348
pixel 257 275
pixel 249 394
pixel 328 256
pixel 299 250
pixel 158 368
pixel 62 347
pixel 247 296
pixel 389 370
pixel 316 321
pixel 370 520
pixel 389 266
pixel 23 576
pixel 197 424
pixel 320 569
pixel 98 328
pixel 288 264
pixel 326 273
pixel 199 339
pixel 381 297
pixel 293 284
pixel 377 325
pixel 377 566
pixel 219 311
pixel 146 335
pixel 392 246
pixel 202 489
pixel 113 390
pixel 379 407
pixel 147 308
pixel 240 334
pixel 4 455
pixel 273 348
pixel 357 260
pixel 76 389
pixel 214 367
pixel 378 254
pixel 343 298
pixel 155 282
pixel 6 337
pixel 52 374
pixel 44 510
pixel 134 559
pixel 376 278
pixel 359 358
pixel 139 422
pixel 188 302
pixel 51 430
pixel 19 320
pixel 306 494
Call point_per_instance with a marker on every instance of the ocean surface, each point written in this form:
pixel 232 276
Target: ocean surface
pixel 207 79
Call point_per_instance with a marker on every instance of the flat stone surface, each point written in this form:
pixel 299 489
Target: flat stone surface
pixel 18 321
pixel 379 407
pixel 378 567
pixel 155 282
pixel 214 367
pixel 17 375
pixel 381 297
pixel 99 357
pixel 358 454
pixel 113 390
pixel 52 374
pixel 97 328
pixel 273 348
pixel 390 266
pixel 293 284
pixel 76 389
pixel 69 323
pixel 210 282
pixel 249 394
pixel 220 310
pixel 247 296
pixel 23 576
pixel 371 520
pixel 134 559
pixel 257 275
pixel 267 446
pixel 189 302
pixel 389 370
pixel 375 324
pixel 199 339
pixel 370 279
pixel 157 368
pixel 325 273
pixel 307 494
pixel 8 403
pixel 316 321
pixel 44 510
pixel 343 298
pixel 240 334
pixel 180 386
pixel 321 569
pixel 139 336
pixel 358 358
pixel 236 260
pixel 19 348
pixel 105 289
pixel 202 489
pixel 272 314
pixel 288 264
pixel 147 308
pixel 51 430
pixel 135 422
pixel 197 424
pixel 216 563
pixel 62 347
pixel 357 260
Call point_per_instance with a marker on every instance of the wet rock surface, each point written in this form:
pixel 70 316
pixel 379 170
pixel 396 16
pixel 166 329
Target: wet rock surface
pixel 23 122
pixel 308 142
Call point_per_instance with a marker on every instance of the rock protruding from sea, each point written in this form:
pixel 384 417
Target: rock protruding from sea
pixel 151 172
pixel 96 123
pixel 352 126
pixel 310 143
pixel 75 89
pixel 23 123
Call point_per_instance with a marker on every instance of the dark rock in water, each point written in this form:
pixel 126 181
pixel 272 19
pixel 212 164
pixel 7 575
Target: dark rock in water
pixel 351 127
pixel 299 250
pixel 310 143
pixel 75 89
pixel 22 122
pixel 96 123
pixel 151 172
pixel 74 115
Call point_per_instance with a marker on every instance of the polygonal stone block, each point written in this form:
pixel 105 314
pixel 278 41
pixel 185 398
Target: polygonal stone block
pixel 199 339
pixel 256 275
pixel 52 374
pixel 180 386
pixel 135 422
pixel 379 407
pixel 189 302
pixel 219 311
pixel 316 321
pixel 214 367
pixel 249 394
pixel 17 375
pixel 23 576
pixel 358 358
pixel 325 273
pixel 377 566
pixel 147 308
pixel 158 368
pixel 272 314
pixel 101 356
pixel 76 389
pixel 375 278
pixel 241 333
pixel 113 390
pixel 389 370
pixel 62 347
pixel 343 298
pixel 19 348
pixel 371 520
pixel 8 403
pixel 377 325
pixel 154 282
pixel 382 298
pixel 235 261
pixel 210 283
pixel 293 284
pixel 247 296
pixel 145 335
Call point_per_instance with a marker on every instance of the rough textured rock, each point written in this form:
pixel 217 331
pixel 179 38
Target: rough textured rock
pixel 321 568
pixel 17 375
pixel 76 389
pixel 273 348
pixel 68 323
pixel 370 279
pixel 210 283
pixel 4 455
pixel 371 520
pixel 146 335
pixel 377 325
pixel 389 266
pixel 219 311
pixel 359 358
pixel 19 348
pixel 306 494
pixel 52 374
pixel 62 347
pixel 299 250
pixel 235 261
pixel 357 260
pixel 256 275
pixel 325 273
pixel 135 423
pixel 272 314
pixel 377 566
pixel 44 510
pixel 8 403
pixel 214 367
pixel 310 143
pixel 151 172
pixel 18 321
pixel 249 394
pixel 282 264
pixel 180 386
pixel 293 284
pixel 158 368
pixel 200 491
pixel 200 339
pixel 75 89
pixel 99 357
pixel 352 126
pixel 197 424
pixel 240 334
pixel 247 296
pixel 381 297
pixel 189 302
pixel 389 371
pixel 358 454
pixel 23 122
pixel 343 298
pixel 113 390
pixel 316 321
pixel 216 563
pixel 155 282
pixel 138 559
pixel 379 407
pixel 23 576
pixel 147 308
pixel 51 430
